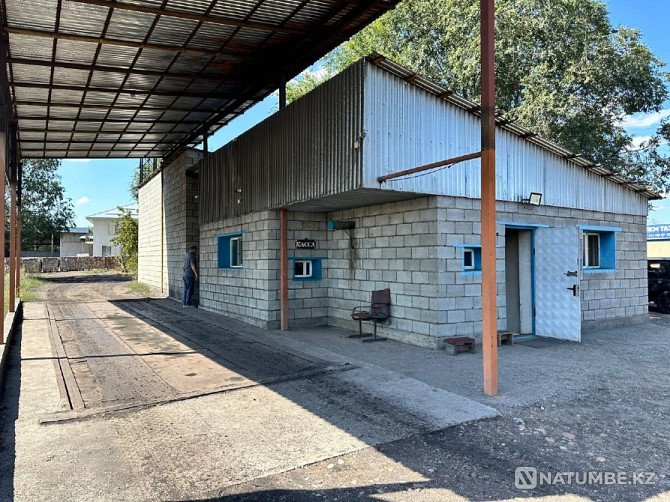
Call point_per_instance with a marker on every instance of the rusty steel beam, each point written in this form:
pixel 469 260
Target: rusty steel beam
pixel 106 120
pixel 225 54
pixel 101 141
pixel 12 246
pixel 224 21
pixel 116 69
pixel 97 131
pixel 488 200
pixel 85 106
pixel 19 203
pixel 427 167
pixel 131 92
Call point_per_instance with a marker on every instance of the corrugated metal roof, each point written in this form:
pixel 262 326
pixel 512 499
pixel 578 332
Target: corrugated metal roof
pixel 115 213
pixel 411 78
pixel 142 78
pixel 77 230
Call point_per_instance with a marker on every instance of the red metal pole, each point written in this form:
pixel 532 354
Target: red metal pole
pixel 19 204
pixel 488 200
pixel 18 251
pixel 283 268
pixel 12 246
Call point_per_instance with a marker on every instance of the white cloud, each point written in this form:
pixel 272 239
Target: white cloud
pixel 641 120
pixel 77 160
pixel 638 141
pixel 81 201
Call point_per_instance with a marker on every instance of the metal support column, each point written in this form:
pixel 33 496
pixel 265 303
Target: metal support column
pixel 18 232
pixel 488 200
pixel 12 246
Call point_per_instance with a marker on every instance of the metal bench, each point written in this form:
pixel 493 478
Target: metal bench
pixel 379 311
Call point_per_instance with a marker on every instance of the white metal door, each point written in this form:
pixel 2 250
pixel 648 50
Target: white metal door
pixel 557 274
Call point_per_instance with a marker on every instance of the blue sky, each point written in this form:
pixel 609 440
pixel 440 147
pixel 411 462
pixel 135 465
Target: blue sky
pixel 97 185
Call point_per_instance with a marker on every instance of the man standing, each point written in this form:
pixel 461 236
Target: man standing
pixel 190 274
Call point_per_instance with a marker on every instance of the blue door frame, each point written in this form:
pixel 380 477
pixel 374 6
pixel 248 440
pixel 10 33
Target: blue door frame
pixel 532 227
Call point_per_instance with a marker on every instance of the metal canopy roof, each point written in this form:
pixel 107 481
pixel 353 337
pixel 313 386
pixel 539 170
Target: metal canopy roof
pixel 146 78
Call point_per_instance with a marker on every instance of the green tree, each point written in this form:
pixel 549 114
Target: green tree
pixel 127 235
pixel 45 210
pixel 150 165
pixel 562 71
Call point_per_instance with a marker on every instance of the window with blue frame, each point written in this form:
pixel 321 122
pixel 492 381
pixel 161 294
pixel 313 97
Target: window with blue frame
pixel 472 259
pixel 230 250
pixel 598 249
pixel 306 269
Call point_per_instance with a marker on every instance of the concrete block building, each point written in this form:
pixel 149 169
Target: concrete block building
pixel 104 229
pixel 571 252
pixel 76 242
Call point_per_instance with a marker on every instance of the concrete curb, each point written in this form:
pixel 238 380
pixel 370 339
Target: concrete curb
pixel 11 320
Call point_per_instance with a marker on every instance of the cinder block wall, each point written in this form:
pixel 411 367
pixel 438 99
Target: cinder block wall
pixel 151 235
pixel 250 293
pixel 180 188
pixel 308 300
pixel 395 246
pixel 412 248
pixel 607 298
pixel 172 192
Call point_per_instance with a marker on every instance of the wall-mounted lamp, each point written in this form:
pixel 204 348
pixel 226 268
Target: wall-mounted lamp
pixel 341 225
pixel 534 200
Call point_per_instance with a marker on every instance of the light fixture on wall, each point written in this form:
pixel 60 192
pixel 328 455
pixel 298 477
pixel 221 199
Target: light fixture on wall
pixel 341 225
pixel 535 199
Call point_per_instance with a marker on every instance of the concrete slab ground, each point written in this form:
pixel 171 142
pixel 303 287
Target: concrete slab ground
pixel 144 400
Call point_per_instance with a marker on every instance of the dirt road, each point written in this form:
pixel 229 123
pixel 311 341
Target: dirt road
pixel 113 397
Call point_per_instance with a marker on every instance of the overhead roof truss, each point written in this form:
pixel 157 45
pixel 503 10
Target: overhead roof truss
pixel 147 78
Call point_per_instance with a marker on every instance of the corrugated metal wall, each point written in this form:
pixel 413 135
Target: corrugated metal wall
pixel 406 127
pixel 303 152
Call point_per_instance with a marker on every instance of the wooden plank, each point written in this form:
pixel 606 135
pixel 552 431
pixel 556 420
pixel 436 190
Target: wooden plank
pixel 72 391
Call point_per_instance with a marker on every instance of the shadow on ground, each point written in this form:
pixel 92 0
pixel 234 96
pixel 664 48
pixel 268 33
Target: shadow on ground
pixel 9 414
pixel 616 421
pixel 85 278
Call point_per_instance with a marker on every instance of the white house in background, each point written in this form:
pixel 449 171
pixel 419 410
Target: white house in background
pixel 76 242
pixel 104 230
